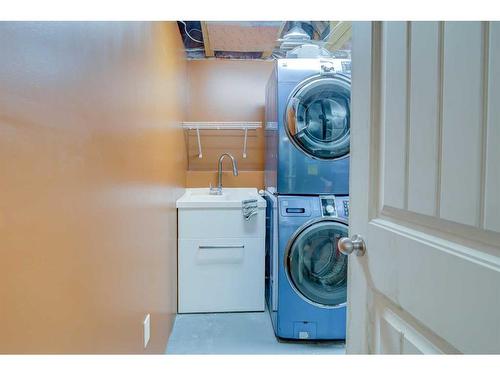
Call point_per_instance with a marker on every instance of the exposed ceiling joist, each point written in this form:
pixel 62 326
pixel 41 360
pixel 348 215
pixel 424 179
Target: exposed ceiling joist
pixel 260 39
pixel 340 34
pixel 209 52
pixel 332 25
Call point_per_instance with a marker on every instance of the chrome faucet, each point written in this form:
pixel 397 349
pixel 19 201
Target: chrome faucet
pixel 218 190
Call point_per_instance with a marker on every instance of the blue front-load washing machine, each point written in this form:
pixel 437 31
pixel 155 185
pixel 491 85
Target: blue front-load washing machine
pixel 308 127
pixel 306 283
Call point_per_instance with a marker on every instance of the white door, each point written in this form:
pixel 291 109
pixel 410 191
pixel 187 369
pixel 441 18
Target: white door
pixel 425 188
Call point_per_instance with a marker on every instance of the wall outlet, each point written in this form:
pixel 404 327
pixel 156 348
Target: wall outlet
pixel 147 329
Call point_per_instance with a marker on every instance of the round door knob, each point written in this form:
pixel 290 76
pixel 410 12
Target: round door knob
pixel 347 245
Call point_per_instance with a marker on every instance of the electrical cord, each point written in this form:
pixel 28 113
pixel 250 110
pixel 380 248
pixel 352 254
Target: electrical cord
pixel 189 35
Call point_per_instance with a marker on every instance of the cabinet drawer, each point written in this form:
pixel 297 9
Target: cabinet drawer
pixel 220 223
pixel 221 274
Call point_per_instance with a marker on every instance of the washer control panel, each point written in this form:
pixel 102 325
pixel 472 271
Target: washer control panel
pixel 328 205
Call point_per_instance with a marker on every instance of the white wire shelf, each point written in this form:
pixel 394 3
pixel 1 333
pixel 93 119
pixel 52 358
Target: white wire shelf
pixel 215 125
pixel 228 125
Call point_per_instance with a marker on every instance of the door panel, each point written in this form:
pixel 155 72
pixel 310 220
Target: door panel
pixel 394 111
pixel 424 134
pixel 424 188
pixel 492 196
pixel 449 287
pixel 399 337
pixel 462 106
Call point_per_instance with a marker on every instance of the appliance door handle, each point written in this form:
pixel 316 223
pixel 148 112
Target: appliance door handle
pixel 201 247
pixel 291 116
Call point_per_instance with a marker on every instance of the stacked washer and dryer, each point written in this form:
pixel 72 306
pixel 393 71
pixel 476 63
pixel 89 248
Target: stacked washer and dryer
pixel 307 193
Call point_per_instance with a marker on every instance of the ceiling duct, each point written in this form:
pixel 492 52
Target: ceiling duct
pixel 296 32
pixel 294 37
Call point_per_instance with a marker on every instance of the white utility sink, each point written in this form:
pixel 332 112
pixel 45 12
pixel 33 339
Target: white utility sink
pixel 221 252
pixel 230 197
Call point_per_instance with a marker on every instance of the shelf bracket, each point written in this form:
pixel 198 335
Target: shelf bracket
pixel 200 154
pixel 245 144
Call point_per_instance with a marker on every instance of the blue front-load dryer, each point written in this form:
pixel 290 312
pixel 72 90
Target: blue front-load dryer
pixel 307 128
pixel 307 275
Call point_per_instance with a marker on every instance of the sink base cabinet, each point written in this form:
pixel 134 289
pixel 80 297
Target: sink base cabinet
pixel 221 275
pixel 221 272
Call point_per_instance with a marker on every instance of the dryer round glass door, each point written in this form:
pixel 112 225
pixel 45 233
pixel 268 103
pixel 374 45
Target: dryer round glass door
pixel 318 117
pixel 315 267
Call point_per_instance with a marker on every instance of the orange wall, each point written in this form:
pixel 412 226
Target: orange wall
pixel 226 90
pixel 92 160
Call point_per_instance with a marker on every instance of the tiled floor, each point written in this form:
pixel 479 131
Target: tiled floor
pixel 237 333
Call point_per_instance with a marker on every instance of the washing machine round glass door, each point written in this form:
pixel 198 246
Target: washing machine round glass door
pixel 315 267
pixel 317 116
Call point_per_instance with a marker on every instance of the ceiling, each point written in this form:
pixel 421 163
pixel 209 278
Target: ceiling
pixel 259 39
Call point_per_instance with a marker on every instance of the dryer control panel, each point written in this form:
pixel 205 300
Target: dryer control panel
pixel 328 207
pixel 334 206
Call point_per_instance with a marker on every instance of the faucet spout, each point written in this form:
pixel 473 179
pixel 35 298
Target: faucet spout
pixel 218 189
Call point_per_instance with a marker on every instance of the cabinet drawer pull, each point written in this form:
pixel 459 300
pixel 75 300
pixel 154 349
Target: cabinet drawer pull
pixel 222 247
